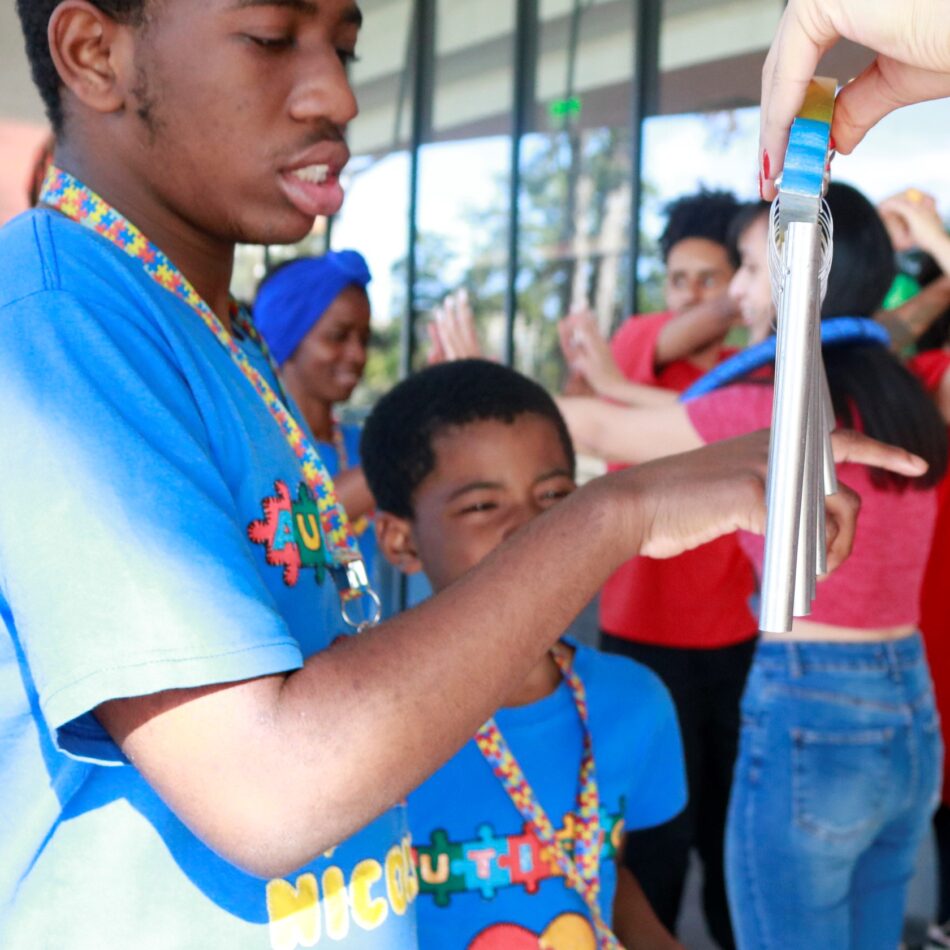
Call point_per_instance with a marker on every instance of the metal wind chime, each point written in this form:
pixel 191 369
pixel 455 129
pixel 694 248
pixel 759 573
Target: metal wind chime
pixel 801 467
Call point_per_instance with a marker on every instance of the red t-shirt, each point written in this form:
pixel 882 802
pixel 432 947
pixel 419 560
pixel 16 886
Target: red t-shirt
pixel 930 368
pixel 879 584
pixel 701 597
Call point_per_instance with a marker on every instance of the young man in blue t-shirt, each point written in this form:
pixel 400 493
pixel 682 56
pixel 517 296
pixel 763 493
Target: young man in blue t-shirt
pixel 189 760
pixel 459 457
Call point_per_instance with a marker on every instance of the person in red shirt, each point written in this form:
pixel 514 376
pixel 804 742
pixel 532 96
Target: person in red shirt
pixel 687 618
pixel 916 227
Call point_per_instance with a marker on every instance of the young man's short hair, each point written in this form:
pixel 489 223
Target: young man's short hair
pixel 396 446
pixel 34 17
pixel 706 214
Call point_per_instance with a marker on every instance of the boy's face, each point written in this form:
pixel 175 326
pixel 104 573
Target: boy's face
pixel 489 479
pixel 235 113
pixel 697 270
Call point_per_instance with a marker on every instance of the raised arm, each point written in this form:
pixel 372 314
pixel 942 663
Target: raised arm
pixel 915 316
pixel 912 220
pixel 695 329
pixel 588 355
pixel 628 433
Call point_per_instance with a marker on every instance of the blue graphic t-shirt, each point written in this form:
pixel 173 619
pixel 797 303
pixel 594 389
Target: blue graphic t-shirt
pixel 155 534
pixel 483 883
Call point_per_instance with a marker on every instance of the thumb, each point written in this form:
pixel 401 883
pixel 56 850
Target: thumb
pixel 884 86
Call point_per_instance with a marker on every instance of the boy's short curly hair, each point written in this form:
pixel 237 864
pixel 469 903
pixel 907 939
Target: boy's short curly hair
pixel 396 445
pixel 706 214
pixel 34 18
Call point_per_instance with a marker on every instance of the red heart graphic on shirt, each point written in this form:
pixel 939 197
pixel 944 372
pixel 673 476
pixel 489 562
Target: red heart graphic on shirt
pixel 566 932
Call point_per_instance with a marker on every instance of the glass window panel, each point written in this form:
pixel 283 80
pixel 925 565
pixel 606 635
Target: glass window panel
pixel 473 92
pixel 373 222
pixel 575 179
pixel 464 183
pixel 382 81
pixel 463 231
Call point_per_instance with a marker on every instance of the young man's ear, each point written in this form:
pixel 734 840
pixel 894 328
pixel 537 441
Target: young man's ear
pixel 394 536
pixel 93 54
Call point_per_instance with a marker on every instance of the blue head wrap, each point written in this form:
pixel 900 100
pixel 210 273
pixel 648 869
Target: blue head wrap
pixel 292 299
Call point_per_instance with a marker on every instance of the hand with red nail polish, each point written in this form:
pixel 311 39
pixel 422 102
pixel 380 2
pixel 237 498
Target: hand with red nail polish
pixel 911 38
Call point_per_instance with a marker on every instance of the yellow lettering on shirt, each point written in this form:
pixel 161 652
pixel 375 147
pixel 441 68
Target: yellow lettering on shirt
pixel 396 880
pixel 336 904
pixel 294 913
pixel 368 911
pixel 309 531
pixel 412 879
pixel 298 917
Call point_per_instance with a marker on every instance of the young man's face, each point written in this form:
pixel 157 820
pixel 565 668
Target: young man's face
pixel 751 287
pixel 697 270
pixel 240 109
pixel 490 478
pixel 330 359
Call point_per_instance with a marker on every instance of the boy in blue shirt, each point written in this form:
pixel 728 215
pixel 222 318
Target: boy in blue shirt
pixel 459 457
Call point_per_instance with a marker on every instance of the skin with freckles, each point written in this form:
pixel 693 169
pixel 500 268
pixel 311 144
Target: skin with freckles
pixel 204 158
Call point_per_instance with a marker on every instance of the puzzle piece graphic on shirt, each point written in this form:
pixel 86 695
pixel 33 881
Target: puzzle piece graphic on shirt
pixel 435 866
pixel 524 861
pixel 276 532
pixel 479 863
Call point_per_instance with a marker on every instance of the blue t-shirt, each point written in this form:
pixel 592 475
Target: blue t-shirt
pixel 483 884
pixel 154 534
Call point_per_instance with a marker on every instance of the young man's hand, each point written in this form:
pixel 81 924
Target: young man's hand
pixel 911 38
pixel 687 500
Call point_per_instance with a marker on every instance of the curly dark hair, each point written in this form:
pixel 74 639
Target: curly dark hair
pixel 34 18
pixel 706 214
pixel 396 445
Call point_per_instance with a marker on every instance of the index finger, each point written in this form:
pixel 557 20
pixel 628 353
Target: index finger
pixel 851 446
pixel 789 66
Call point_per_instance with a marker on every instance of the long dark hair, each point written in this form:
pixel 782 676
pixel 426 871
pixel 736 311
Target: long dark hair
pixel 870 388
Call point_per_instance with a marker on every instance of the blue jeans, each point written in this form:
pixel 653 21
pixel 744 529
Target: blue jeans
pixel 838 773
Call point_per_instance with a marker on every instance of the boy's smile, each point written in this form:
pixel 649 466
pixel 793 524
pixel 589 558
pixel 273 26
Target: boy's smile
pixel 489 479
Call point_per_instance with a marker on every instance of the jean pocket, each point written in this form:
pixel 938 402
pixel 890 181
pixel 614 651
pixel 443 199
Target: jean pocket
pixel 840 780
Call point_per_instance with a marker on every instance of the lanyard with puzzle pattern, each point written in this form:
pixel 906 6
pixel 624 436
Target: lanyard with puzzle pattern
pixel 73 199
pixel 582 870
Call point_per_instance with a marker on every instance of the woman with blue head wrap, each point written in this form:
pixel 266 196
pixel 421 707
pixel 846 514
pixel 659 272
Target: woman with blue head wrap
pixel 313 313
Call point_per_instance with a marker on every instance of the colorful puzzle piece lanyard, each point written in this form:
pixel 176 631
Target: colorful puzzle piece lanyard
pixel 582 872
pixel 71 198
